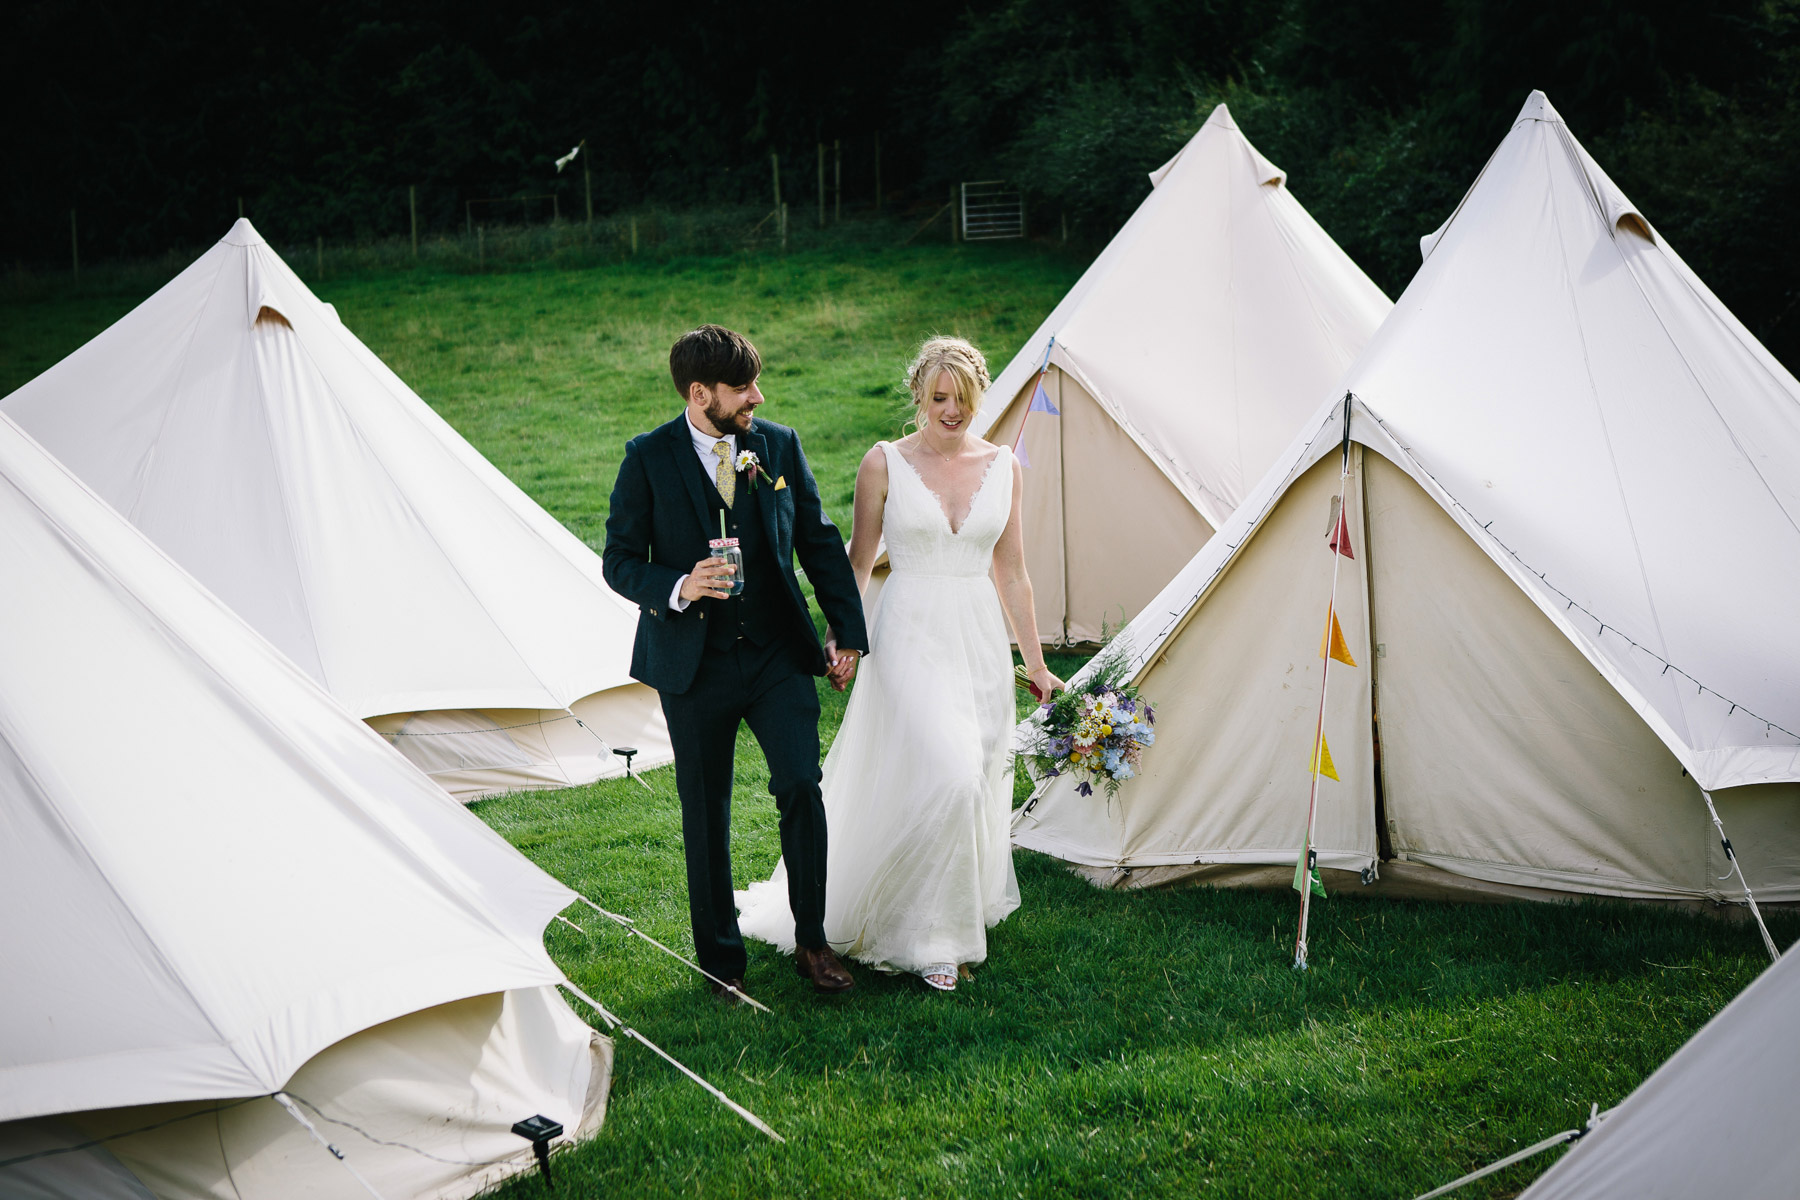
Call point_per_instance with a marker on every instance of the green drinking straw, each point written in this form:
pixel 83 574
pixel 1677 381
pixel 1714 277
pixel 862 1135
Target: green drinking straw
pixel 721 524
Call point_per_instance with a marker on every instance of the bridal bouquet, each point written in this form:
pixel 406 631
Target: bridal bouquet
pixel 1096 732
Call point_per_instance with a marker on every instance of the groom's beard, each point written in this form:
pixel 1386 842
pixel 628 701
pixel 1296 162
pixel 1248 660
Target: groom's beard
pixel 726 421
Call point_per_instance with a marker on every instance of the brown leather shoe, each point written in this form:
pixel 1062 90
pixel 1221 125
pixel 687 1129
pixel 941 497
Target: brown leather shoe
pixel 721 992
pixel 828 975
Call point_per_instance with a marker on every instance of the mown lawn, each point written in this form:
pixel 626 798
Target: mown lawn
pixel 1116 1044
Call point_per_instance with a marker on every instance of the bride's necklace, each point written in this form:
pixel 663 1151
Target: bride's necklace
pixel 947 458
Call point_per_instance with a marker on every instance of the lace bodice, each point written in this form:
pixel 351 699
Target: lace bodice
pixel 917 529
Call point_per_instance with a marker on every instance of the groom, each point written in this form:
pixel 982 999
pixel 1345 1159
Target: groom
pixel 718 659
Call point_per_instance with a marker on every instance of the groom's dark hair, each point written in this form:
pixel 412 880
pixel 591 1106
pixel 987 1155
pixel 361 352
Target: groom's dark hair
pixel 711 355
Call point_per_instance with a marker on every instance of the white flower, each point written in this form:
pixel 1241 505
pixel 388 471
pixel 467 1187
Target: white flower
pixel 747 459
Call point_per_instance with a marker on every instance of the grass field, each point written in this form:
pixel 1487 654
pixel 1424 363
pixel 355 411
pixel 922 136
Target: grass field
pixel 1116 1044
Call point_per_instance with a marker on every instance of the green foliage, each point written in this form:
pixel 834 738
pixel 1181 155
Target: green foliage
pixel 1383 115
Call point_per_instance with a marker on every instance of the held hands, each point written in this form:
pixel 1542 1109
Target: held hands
pixel 841 666
pixel 1047 683
pixel 709 580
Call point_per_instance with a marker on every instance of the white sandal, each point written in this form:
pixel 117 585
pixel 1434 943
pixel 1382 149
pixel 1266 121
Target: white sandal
pixel 937 971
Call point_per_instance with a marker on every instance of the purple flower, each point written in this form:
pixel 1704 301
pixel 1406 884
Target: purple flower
pixel 1086 789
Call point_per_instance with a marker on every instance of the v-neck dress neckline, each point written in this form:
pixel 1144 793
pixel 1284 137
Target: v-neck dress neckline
pixel 974 497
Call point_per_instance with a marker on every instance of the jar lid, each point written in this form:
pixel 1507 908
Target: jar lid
pixel 718 543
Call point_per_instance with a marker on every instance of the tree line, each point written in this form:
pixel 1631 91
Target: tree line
pixel 156 121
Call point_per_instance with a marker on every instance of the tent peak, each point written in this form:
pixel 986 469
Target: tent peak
pixel 1221 119
pixel 1538 108
pixel 243 233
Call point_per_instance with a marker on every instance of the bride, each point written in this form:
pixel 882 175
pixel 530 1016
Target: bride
pixel 918 784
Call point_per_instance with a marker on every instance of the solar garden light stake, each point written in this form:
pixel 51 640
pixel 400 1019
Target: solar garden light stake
pixel 540 1131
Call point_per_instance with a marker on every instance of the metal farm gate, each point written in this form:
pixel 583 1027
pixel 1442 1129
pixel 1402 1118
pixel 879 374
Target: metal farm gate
pixel 991 210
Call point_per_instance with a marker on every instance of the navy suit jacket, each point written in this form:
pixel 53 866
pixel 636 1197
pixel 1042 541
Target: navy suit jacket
pixel 662 518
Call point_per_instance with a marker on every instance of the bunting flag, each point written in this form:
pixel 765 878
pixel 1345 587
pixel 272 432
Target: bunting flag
pixel 1040 402
pixel 1321 763
pixel 1331 647
pixel 1331 642
pixel 568 158
pixel 1340 531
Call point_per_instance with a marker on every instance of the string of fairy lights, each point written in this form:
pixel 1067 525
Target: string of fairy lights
pixel 1174 616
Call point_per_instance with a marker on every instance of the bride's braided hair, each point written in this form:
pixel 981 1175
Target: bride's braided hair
pixel 964 363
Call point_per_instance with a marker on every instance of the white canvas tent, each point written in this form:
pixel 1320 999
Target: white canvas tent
pixel 218 885
pixel 1573 492
pixel 237 422
pixel 1717 1119
pixel 1184 360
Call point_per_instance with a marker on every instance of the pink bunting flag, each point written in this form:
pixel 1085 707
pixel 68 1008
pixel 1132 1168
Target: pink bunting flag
pixel 1340 535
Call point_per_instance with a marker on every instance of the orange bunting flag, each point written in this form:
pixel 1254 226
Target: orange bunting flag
pixel 1332 641
pixel 1340 533
pixel 1322 764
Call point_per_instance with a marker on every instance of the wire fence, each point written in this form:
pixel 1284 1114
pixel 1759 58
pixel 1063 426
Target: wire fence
pixel 518 232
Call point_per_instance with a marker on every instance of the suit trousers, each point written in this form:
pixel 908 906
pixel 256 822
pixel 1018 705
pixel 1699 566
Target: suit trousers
pixel 765 687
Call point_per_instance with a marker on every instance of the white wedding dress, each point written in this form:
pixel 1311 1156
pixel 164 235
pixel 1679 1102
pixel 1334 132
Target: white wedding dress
pixel 918 783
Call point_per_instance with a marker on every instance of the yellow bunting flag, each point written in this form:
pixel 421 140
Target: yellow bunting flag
pixel 1331 641
pixel 1322 764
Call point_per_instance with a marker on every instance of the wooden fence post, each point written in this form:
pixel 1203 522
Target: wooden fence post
pixel 837 181
pixel 784 216
pixel 412 213
pixel 587 185
pixel 775 170
pixel 821 185
pixel 481 246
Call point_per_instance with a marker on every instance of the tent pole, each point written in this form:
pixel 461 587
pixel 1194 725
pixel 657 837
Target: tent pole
pixel 1731 857
pixel 1308 856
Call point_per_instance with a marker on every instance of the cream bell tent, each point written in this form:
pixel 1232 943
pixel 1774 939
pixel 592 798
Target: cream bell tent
pixel 219 886
pixel 1573 502
pixel 1179 367
pixel 239 424
pixel 1717 1119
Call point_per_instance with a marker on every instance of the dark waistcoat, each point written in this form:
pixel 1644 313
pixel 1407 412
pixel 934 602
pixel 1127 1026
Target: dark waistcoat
pixel 759 612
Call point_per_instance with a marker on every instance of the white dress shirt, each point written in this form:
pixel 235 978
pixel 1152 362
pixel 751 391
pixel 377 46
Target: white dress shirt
pixel 709 462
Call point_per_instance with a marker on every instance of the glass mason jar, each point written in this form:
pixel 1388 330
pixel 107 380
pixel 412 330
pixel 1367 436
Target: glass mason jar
pixel 727 549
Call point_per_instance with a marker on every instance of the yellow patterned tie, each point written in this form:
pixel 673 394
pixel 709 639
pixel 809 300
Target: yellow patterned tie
pixel 724 476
